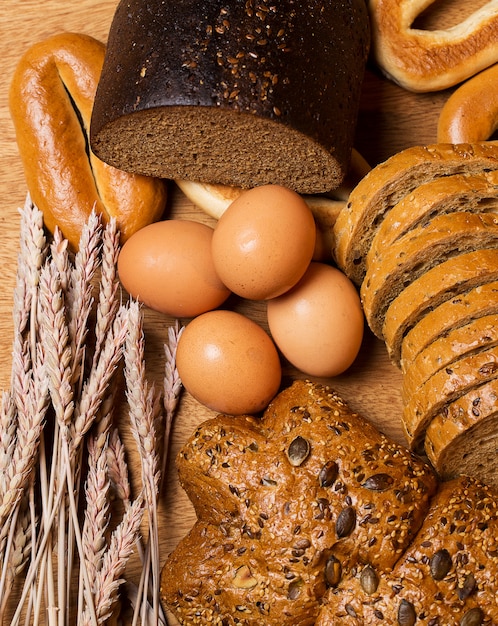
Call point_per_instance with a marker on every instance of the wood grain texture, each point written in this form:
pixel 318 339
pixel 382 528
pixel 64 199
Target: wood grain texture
pixel 390 119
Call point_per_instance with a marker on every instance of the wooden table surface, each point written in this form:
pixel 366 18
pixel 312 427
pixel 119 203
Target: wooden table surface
pixel 390 119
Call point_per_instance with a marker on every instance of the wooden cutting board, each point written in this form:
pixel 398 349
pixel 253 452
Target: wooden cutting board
pixel 390 119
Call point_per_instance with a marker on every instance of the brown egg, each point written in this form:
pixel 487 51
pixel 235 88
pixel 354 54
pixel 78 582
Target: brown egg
pixel 228 363
pixel 318 325
pixel 263 242
pixel 168 266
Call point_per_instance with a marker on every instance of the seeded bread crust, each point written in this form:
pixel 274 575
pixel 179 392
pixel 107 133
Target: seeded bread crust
pixel 464 437
pixel 443 387
pixel 447 576
pixel 233 93
pixel 479 334
pixel 454 313
pixel 419 250
pixel 472 193
pixel 387 183
pixel 441 283
pixel 287 505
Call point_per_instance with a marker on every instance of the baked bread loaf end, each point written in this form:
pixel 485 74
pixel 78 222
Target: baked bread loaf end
pixel 234 93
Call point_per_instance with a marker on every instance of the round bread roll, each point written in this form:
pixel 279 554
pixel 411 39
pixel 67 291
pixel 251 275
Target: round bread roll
pixel 51 98
pixel 233 93
pixel 422 60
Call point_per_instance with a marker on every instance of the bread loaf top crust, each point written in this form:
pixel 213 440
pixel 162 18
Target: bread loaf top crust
pixel 237 93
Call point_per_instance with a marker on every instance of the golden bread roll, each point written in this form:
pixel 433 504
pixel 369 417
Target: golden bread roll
pixel 51 98
pixel 471 112
pixel 422 60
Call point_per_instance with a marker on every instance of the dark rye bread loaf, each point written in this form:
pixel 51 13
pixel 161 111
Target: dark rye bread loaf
pixel 287 504
pixel 463 438
pixel 476 193
pixel 447 577
pixel 236 93
pixel 387 183
pixel 418 251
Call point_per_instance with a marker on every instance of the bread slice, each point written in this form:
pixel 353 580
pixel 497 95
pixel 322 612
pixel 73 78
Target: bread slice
pixel 476 193
pixel 455 312
pixel 464 437
pixel 447 577
pixel 455 276
pixel 479 334
pixel 418 251
pixel 423 402
pixel 387 183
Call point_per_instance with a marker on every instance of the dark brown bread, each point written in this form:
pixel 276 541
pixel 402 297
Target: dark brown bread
pixel 287 505
pixel 448 575
pixel 235 93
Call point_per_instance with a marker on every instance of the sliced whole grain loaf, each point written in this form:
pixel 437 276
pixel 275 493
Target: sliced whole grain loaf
pixel 418 251
pixel 455 276
pixel 479 334
pixel 476 193
pixel 423 402
pixel 463 438
pixel 455 312
pixel 387 183
pixel 448 576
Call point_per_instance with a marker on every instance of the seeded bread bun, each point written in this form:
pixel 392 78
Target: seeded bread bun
pixel 287 505
pixel 446 576
pixel 387 183
pixel 418 251
pixel 455 276
pixel 235 93
pixel 472 193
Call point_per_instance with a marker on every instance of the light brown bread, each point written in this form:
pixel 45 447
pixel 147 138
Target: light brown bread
pixel 451 314
pixel 387 183
pixel 476 193
pixel 480 333
pixel 455 276
pixel 418 251
pixel 422 403
pixel 463 438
